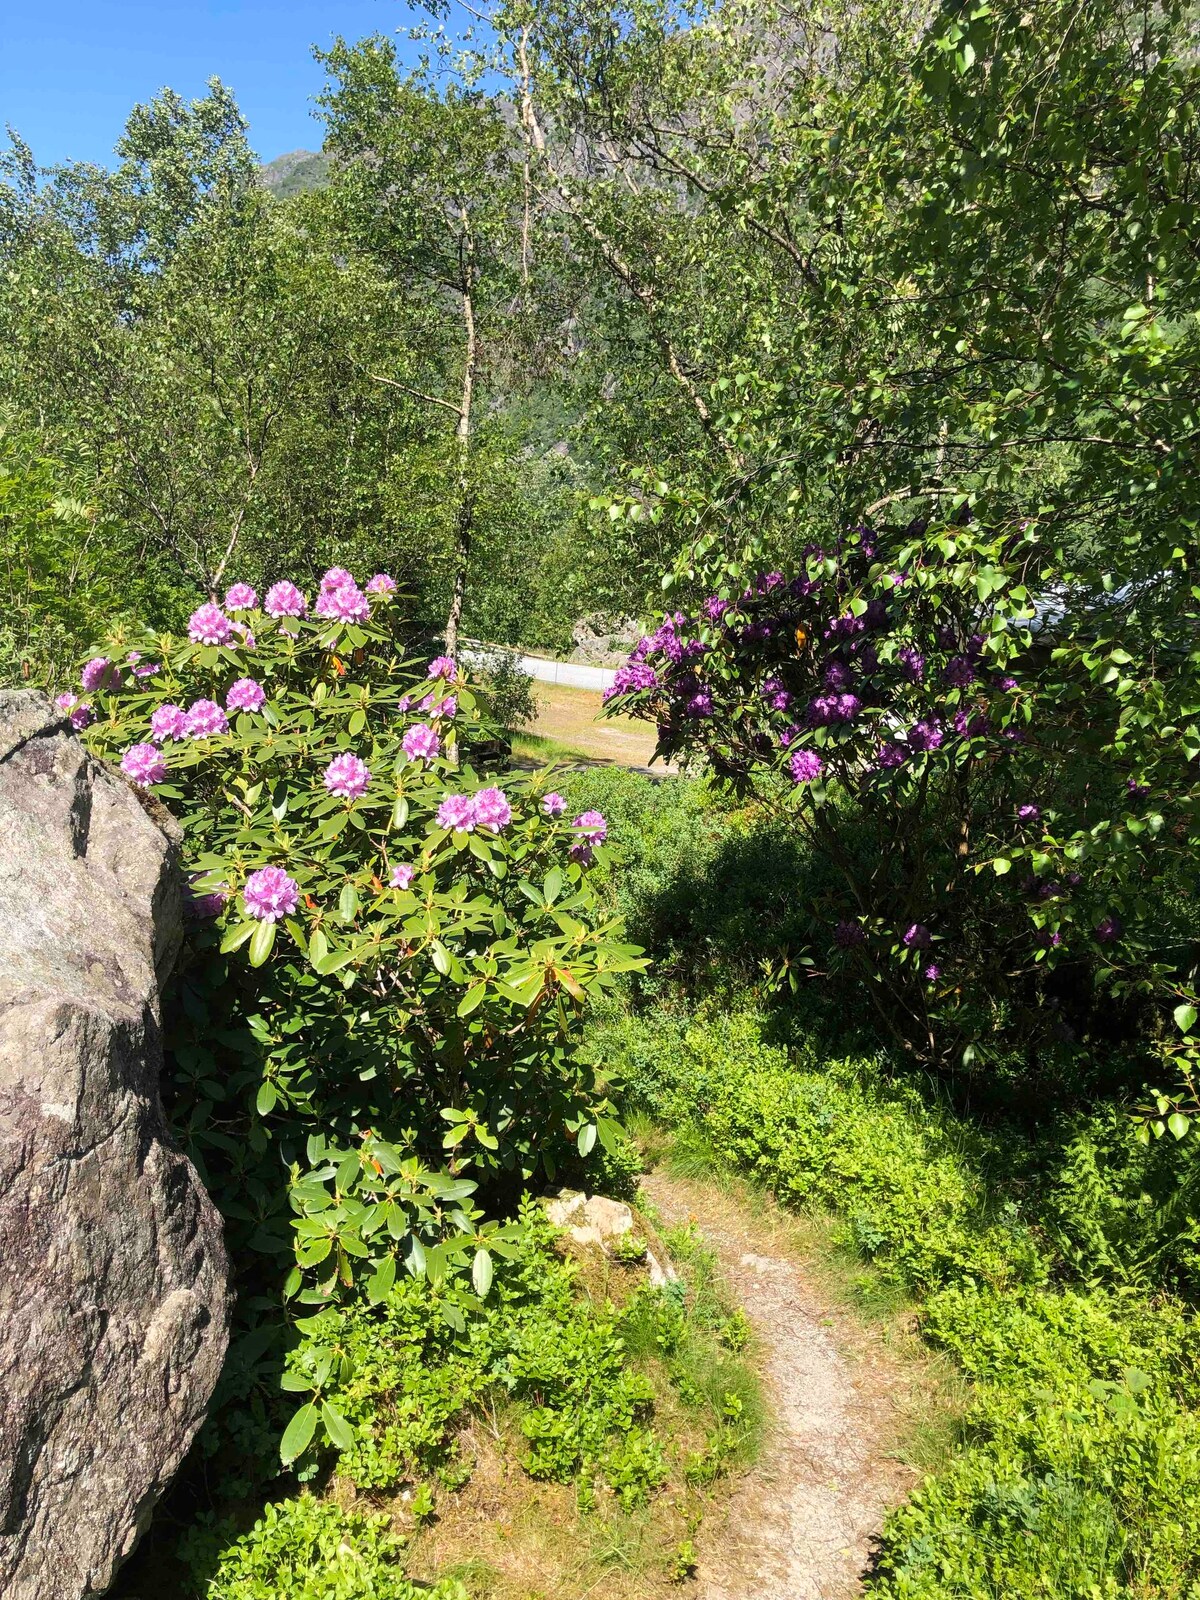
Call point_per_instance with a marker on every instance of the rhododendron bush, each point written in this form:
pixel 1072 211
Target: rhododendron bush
pixel 999 817
pixel 390 952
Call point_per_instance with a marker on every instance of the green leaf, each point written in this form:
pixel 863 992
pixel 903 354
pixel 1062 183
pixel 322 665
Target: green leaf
pixel 1178 1123
pixel 1185 1017
pixel 262 942
pixel 481 1273
pixel 297 1436
pixel 586 1140
pixel 441 957
pixel 341 1434
pixel 236 936
pixel 1001 865
pixel 379 1284
pixel 348 902
pixel 472 999
pixel 400 812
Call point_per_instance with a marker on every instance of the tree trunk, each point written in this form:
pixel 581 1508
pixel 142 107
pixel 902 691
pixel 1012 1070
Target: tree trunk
pixel 464 519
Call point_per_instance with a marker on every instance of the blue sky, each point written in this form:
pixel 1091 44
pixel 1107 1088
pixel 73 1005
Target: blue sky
pixel 71 69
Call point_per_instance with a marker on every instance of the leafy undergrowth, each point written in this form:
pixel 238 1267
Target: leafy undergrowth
pixel 572 1430
pixel 1079 1474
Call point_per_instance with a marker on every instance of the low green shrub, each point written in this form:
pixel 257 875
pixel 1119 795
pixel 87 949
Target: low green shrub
pixel 403 1376
pixel 1080 1477
pixel 304 1549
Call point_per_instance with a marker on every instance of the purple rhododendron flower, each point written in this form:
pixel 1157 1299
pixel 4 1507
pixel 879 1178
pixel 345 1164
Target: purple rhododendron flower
pixel 1138 790
pixel 402 876
pixel 891 755
pixel 917 937
pixel 203 907
pixel 958 672
pixel 335 578
pixel 553 805
pixel 443 667
pixel 347 777
pixel 147 669
pixel 1008 683
pixel 1029 813
pixel 492 810
pixel 240 597
pixel 827 709
pixel 1050 891
pixel 270 894
pixel 144 764
pixel 381 583
pixel 775 694
pixel 912 663
pixel 714 608
pixel 933 972
pixel 806 766
pixel 285 600
pixel 456 811
pixel 208 624
pixel 946 638
pixel 347 603
pixel 1109 929
pixel 99 673
pixel 420 743
pixel 838 675
pixel 699 704
pixel 632 676
pixel 593 830
pixel 203 719
pixel 846 935
pixel 925 735
pixel 245 695
pixel 168 722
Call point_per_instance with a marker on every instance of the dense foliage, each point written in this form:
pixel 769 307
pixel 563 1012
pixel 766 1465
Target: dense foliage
pixel 412 946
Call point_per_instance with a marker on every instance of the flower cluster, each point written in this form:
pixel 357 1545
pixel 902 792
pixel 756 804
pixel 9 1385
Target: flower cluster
pixel 488 808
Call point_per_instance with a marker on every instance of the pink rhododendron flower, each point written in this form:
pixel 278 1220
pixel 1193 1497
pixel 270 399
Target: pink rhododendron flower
pixel 208 624
pixel 205 718
pixel 492 810
pixel 553 805
pixel 445 707
pixel 381 583
pixel 147 669
pixel 168 722
pixel 347 777
pixel 240 597
pixel 99 673
pixel 245 695
pixel 345 604
pixel 457 811
pixel 402 876
pixel 442 667
pixel 285 600
pixel 917 937
pixel 144 764
pixel 336 578
pixel 270 894
pixel 420 743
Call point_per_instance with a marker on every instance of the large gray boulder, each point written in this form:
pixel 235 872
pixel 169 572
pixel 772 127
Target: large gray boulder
pixel 114 1294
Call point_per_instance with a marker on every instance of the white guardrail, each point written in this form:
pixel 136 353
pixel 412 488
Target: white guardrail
pixel 573 674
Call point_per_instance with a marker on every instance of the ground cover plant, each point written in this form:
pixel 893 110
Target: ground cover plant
pixel 1078 1471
